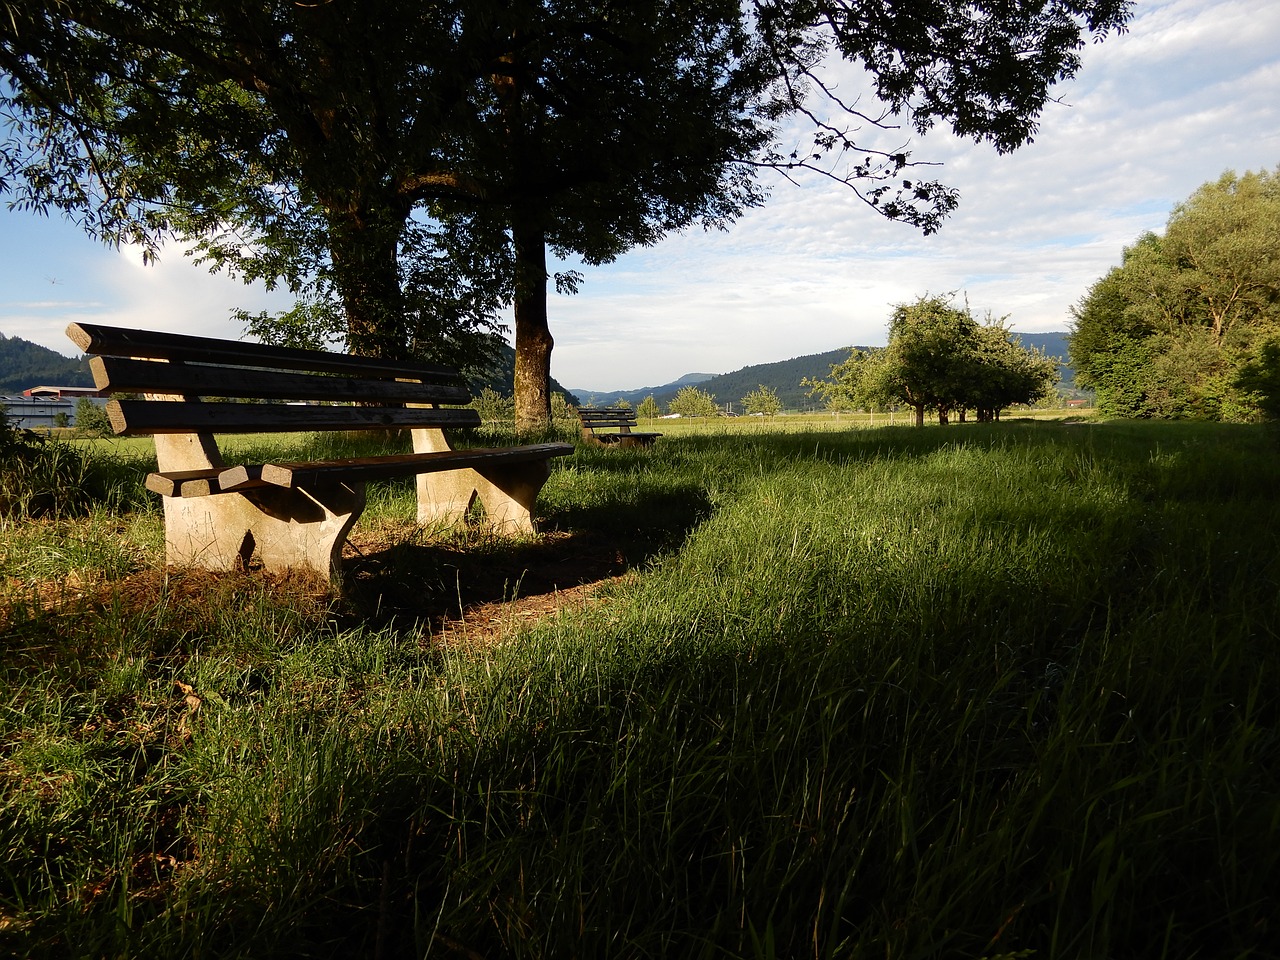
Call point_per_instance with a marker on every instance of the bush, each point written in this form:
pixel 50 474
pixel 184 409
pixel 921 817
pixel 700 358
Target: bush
pixel 493 407
pixel 692 402
pixel 91 419
pixel 561 410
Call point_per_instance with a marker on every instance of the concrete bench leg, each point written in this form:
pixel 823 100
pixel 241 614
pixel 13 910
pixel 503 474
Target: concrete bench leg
pixel 287 529
pixel 507 493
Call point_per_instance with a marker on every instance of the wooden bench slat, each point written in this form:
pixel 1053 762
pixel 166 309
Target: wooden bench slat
pixel 131 417
pixel 156 345
pixel 118 374
pixel 198 483
pixel 362 469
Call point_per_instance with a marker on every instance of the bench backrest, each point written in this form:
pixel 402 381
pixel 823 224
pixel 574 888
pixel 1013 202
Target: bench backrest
pixel 620 418
pixel 324 391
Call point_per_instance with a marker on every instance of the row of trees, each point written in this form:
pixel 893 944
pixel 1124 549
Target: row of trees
pixel 406 168
pixel 689 401
pixel 940 358
pixel 1188 326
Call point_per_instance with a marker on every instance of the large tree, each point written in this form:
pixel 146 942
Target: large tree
pixel 1167 333
pixel 410 162
pixel 929 361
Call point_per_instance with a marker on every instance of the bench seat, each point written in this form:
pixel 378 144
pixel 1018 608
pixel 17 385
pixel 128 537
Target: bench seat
pixel 363 469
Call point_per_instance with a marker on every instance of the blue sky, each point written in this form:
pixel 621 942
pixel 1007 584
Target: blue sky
pixel 1191 91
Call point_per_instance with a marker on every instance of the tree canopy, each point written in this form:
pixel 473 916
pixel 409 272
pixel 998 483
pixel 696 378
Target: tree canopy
pixel 405 168
pixel 689 401
pixel 1182 327
pixel 762 400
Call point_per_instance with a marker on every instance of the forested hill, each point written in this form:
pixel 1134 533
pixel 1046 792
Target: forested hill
pixel 24 364
pixel 783 376
pixel 602 398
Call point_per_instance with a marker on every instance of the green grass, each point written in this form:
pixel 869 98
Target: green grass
pixel 964 692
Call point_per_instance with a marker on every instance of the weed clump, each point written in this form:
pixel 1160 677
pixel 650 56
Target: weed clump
pixel 43 477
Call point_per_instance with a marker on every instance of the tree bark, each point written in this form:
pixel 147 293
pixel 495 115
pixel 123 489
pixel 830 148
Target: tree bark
pixel 533 333
pixel 364 248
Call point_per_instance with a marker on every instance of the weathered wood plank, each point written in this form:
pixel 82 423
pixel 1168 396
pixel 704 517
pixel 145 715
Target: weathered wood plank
pixel 134 417
pixel 123 375
pixel 156 345
pixel 609 413
pixel 363 469
pixel 199 483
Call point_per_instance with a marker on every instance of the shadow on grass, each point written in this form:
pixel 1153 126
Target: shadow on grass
pixel 433 581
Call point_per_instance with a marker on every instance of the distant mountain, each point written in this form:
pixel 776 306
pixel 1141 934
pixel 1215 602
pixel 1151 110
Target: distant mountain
pixel 1053 344
pixel 24 364
pixel 784 377
pixel 604 397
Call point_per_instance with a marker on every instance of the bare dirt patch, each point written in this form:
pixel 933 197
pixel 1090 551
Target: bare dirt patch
pixel 473 590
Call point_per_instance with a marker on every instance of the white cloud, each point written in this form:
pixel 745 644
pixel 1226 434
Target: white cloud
pixel 172 294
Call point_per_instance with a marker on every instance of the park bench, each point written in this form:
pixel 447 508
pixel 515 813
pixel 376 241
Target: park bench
pixel 296 514
pixel 616 424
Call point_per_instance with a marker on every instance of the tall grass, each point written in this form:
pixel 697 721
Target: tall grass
pixel 41 476
pixel 998 691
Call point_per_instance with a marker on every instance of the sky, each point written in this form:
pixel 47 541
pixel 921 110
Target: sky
pixel 1191 91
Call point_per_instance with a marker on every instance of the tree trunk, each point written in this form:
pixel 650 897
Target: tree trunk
pixel 364 247
pixel 919 414
pixel 533 333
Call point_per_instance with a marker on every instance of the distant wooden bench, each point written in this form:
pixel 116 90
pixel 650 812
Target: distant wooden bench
pixel 616 424
pixel 296 515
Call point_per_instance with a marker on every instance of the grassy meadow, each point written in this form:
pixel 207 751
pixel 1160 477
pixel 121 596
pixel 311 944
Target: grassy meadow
pixel 976 691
